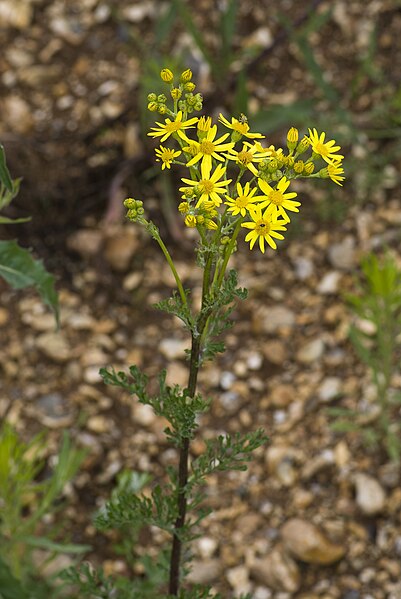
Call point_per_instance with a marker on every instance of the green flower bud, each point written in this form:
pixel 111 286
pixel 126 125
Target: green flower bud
pixel 162 109
pixel 129 203
pixel 299 166
pixel 198 106
pixel 153 106
pixel 189 87
pixel 276 176
pixel 309 168
pixel 190 99
pixel 182 105
pixel 272 165
pixel 132 215
pixel 152 97
pixel 161 98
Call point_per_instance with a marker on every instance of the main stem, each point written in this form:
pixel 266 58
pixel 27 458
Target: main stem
pixel 183 476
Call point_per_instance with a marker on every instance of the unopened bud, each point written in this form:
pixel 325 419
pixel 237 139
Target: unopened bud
pixel 190 220
pixel 186 76
pixel 153 106
pixel 162 98
pixel 272 165
pixel 176 93
pixel 309 168
pixel 299 166
pixel 132 214
pixel 166 75
pixel 303 145
pixel 152 97
pixel 292 138
pixel 183 207
pixel 162 109
pixel 189 87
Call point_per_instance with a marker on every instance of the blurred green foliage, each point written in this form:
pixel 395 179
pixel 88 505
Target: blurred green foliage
pixel 28 495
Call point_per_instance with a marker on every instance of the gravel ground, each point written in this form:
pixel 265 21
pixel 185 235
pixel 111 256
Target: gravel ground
pixel 317 515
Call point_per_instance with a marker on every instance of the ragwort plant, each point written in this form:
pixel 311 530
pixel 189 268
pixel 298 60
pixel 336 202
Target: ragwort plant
pixel 234 182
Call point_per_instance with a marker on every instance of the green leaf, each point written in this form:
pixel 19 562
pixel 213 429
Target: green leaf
pixel 49 545
pixel 20 270
pixel 13 221
pixel 5 177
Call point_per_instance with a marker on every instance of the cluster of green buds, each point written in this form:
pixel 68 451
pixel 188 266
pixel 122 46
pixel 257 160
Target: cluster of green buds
pixel 182 94
pixel 135 210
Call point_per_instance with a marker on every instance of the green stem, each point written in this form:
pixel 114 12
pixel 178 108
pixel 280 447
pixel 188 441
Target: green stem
pixel 182 497
pixel 227 255
pixel 170 262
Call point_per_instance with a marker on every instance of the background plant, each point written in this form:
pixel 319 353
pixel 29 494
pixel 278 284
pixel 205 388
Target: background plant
pixel 28 494
pixel 17 266
pixel 376 339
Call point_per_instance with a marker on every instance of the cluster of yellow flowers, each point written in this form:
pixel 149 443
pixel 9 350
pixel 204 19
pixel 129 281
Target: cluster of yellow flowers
pixel 260 203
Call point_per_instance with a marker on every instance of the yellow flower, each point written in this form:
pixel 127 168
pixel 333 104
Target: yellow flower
pixel 335 171
pixel 264 227
pixel 243 202
pixel 209 187
pixel 278 199
pixel 166 155
pixel 327 150
pixel 170 127
pixel 208 148
pixel 240 127
pixel 249 154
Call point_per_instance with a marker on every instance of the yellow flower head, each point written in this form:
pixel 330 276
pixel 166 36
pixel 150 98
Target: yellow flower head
pixel 166 155
pixel 239 126
pixel 278 199
pixel 250 154
pixel 208 148
pixel 327 150
pixel 244 200
pixel 209 187
pixel 169 127
pixel 166 75
pixel 334 171
pixel 264 227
